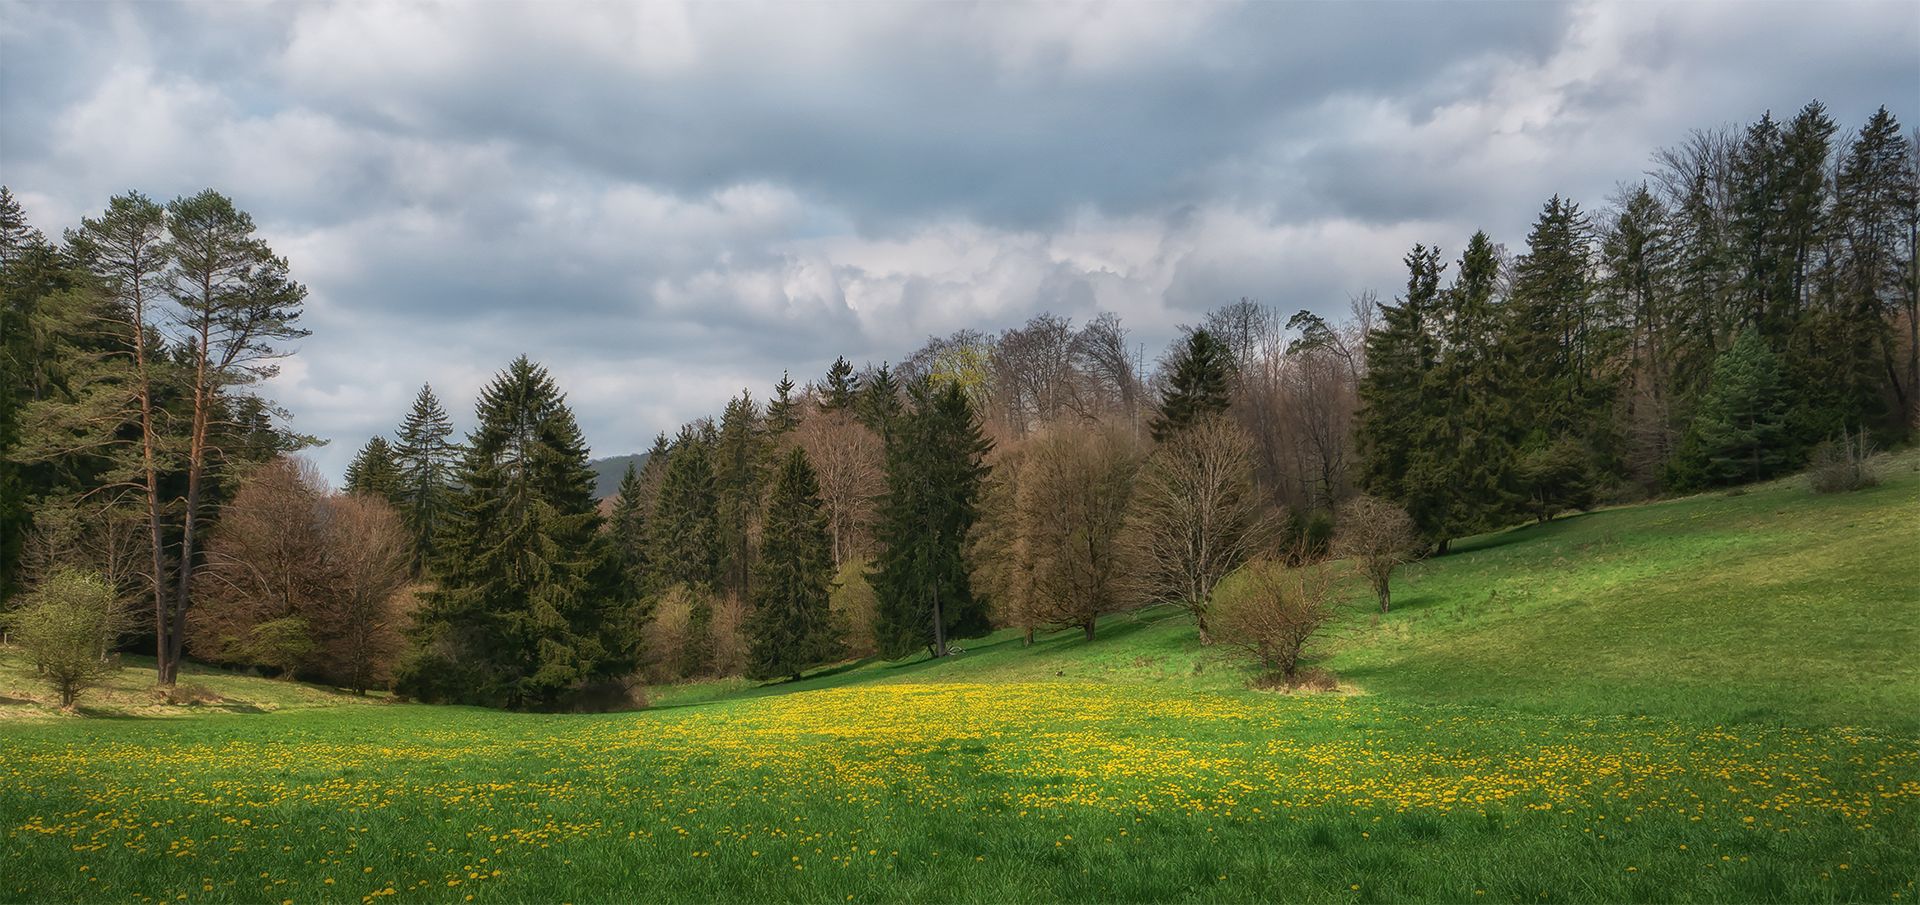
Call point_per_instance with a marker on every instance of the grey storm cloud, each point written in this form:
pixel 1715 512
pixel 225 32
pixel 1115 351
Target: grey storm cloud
pixel 669 202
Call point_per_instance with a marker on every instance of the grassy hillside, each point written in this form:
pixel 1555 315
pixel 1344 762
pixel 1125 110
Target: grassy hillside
pixel 1767 604
pixel 1703 699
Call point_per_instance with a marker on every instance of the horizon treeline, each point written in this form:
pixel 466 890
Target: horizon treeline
pixel 1753 297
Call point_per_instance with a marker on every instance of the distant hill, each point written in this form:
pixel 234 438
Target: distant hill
pixel 608 472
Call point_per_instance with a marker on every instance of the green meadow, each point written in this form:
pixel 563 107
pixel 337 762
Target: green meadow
pixel 1706 699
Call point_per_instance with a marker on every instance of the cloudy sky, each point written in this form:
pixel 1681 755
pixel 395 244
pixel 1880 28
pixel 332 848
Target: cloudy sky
pixel 668 202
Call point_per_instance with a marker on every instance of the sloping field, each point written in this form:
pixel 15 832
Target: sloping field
pixel 1704 699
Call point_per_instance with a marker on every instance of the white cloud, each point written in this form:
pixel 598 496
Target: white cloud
pixel 668 201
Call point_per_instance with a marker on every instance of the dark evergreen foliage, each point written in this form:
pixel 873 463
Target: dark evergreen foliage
pixel 686 547
pixel 838 393
pixel 373 471
pixel 528 612
pixel 1739 427
pixel 789 628
pixel 426 457
pixel 1200 383
pixel 934 475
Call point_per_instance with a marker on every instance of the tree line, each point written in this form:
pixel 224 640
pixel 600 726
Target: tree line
pixel 1747 306
pixel 1755 297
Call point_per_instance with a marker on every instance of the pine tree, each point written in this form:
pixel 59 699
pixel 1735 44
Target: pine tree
pixel 739 453
pixel 934 475
pixel 686 543
pixel 1738 429
pixel 839 390
pixel 1200 384
pixel 426 458
pixel 527 612
pixel 789 628
pixel 374 473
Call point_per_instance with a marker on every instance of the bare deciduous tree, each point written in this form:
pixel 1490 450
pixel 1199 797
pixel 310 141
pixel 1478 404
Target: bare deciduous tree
pixel 851 466
pixel 302 580
pixel 1378 536
pixel 361 620
pixel 1051 549
pixel 1194 518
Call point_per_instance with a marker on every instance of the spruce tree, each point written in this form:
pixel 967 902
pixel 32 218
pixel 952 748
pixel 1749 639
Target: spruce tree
pixel 1739 427
pixel 1874 206
pixel 1460 471
pixel 1559 341
pixel 789 628
pixel 839 390
pixel 878 405
pixel 1395 405
pixel 686 541
pixel 527 612
pixel 627 535
pixel 373 471
pixel 783 413
pixel 1638 257
pixel 739 454
pixel 935 471
pixel 426 458
pixel 1200 384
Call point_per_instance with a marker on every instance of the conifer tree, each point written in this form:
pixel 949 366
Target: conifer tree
pixel 1558 341
pixel 839 390
pixel 1200 384
pixel 627 534
pixel 878 406
pixel 1874 206
pixel 1460 472
pixel 934 475
pixel 789 627
pixel 374 473
pixel 527 612
pixel 426 458
pixel 1396 410
pixel 1638 255
pixel 686 541
pixel 1738 429
pixel 739 453
pixel 783 412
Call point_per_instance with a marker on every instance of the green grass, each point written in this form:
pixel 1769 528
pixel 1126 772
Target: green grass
pixel 1708 699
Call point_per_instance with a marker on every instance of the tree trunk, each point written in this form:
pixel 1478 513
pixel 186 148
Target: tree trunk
pixel 939 627
pixel 190 520
pixel 162 642
pixel 1088 627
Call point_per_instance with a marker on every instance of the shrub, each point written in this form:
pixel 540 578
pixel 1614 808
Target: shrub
pixel 665 635
pixel 1843 465
pixel 853 608
pixel 728 636
pixel 67 628
pixel 1276 615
